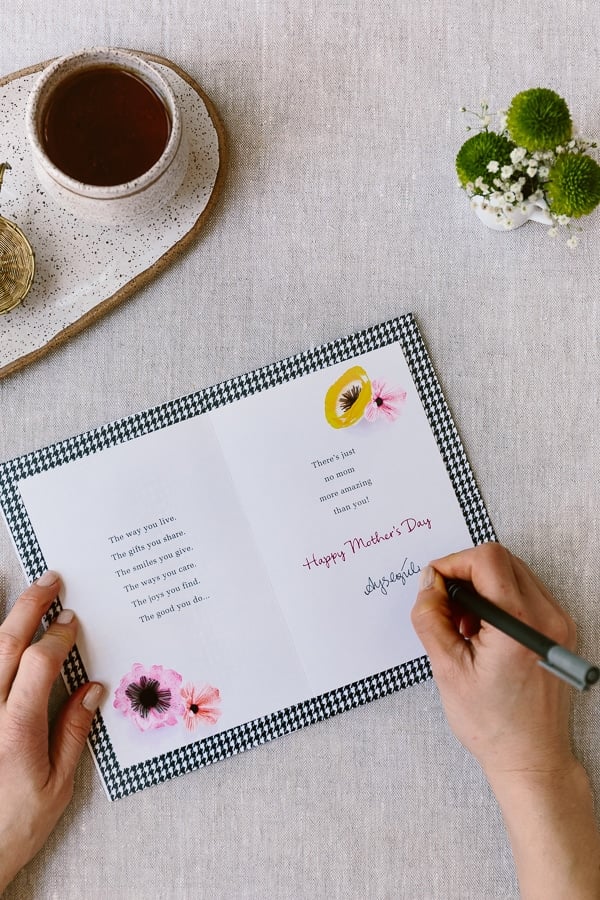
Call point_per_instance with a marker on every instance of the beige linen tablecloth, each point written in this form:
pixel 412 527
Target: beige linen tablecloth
pixel 341 210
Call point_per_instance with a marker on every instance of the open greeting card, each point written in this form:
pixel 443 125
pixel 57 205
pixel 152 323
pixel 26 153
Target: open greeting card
pixel 243 561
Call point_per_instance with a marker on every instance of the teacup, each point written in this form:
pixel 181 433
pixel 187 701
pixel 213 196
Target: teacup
pixel 106 135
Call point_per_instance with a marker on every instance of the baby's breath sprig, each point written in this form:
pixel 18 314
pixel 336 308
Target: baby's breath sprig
pixel 484 117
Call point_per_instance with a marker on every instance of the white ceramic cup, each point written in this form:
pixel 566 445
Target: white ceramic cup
pixel 111 204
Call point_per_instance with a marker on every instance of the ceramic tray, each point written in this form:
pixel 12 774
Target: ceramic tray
pixel 84 270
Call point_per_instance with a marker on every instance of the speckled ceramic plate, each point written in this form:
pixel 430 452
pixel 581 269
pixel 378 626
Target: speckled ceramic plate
pixel 84 270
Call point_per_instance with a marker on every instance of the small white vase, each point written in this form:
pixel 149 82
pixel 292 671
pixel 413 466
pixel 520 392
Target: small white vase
pixel 489 212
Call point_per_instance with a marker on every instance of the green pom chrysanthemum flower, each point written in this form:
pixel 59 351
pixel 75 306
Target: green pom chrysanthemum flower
pixel 573 188
pixel 538 119
pixel 475 154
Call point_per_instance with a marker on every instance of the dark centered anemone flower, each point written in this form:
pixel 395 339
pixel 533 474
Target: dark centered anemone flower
pixel 150 697
pixel 201 704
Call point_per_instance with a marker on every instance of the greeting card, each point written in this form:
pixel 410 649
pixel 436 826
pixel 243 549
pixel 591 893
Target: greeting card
pixel 243 560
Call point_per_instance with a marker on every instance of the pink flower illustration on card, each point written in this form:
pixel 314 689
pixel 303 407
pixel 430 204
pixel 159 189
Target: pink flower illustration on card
pixel 150 697
pixel 386 402
pixel 153 697
pixel 201 704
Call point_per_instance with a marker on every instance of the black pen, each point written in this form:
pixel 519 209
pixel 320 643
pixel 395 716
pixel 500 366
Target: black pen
pixel 556 659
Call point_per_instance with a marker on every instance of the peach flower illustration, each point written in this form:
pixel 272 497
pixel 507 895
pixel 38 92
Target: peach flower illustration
pixel 200 705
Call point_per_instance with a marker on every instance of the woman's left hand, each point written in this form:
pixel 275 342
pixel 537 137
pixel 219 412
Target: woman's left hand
pixel 37 765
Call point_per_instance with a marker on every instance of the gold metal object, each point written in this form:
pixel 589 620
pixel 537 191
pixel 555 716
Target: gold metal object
pixel 17 265
pixel 17 262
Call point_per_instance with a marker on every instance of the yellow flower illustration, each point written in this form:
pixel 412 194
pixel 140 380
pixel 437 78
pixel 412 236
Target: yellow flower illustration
pixel 347 399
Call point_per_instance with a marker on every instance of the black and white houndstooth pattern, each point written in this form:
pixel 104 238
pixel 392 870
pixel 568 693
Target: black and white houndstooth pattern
pixel 122 781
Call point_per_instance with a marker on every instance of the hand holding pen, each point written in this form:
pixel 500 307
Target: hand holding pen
pixel 513 716
pixel 553 657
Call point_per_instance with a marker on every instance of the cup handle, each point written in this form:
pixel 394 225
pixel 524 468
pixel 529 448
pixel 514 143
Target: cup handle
pixel 540 213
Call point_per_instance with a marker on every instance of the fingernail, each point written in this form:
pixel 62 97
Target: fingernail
pixel 65 616
pixel 92 697
pixel 426 578
pixel 47 578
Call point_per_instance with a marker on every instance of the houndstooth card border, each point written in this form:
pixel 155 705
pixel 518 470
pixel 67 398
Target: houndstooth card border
pixel 120 781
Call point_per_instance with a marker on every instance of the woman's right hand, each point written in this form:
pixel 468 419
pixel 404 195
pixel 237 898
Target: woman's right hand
pixel 514 718
pixel 509 712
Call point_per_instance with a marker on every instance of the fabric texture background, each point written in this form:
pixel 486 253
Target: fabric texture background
pixel 341 210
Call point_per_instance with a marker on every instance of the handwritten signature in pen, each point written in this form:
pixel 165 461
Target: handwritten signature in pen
pixel 407 570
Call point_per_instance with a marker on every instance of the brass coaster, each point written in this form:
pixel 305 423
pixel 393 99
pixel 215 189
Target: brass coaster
pixel 17 265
